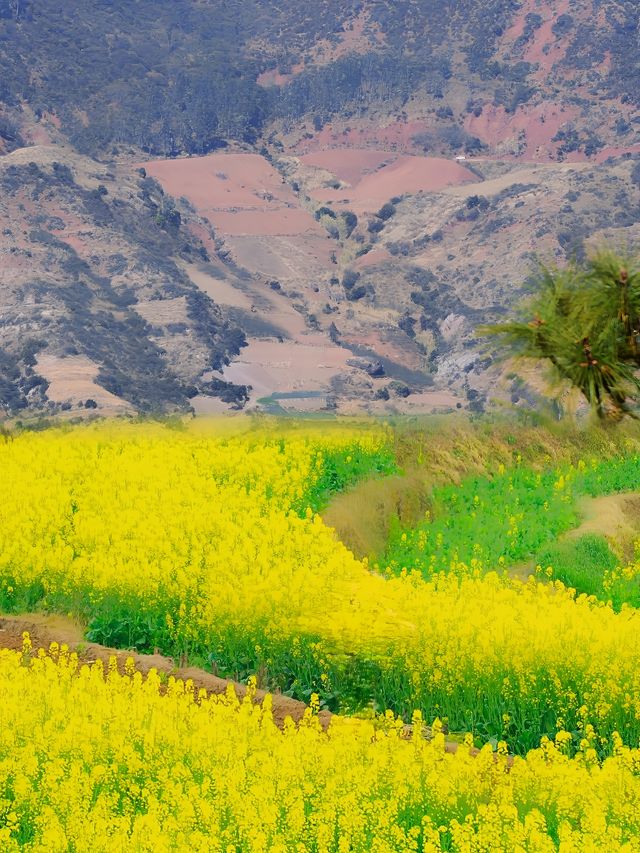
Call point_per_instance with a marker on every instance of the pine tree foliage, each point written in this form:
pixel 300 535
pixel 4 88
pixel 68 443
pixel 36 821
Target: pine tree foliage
pixel 584 321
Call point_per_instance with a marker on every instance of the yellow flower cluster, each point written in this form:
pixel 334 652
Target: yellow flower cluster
pixel 96 761
pixel 475 649
pixel 197 525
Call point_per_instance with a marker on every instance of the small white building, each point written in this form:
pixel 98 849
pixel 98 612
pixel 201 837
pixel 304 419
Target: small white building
pixel 461 157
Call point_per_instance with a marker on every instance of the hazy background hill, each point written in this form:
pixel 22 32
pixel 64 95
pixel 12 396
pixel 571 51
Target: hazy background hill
pixel 183 76
pixel 326 223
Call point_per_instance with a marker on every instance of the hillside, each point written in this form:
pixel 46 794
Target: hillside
pixel 308 200
pixel 97 302
pixel 183 76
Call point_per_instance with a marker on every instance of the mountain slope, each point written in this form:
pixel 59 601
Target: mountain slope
pixel 93 269
pixel 302 196
pixel 184 75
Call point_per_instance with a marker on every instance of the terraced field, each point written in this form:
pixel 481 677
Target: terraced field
pixel 472 710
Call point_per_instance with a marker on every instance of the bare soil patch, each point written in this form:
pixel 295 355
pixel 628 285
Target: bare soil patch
pixel 294 257
pixel 430 401
pixel 615 516
pixel 362 516
pixel 349 164
pixel 530 173
pixel 271 366
pixel 45 629
pixel 610 151
pixel 277 222
pixel 539 124
pixel 204 404
pixel 545 48
pixel 373 258
pixel 365 133
pixel 405 174
pixel 222 292
pixel 219 181
pixel 358 35
pixel 163 311
pixel 240 193
pixel 72 378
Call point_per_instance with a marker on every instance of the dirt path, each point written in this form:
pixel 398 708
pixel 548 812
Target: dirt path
pixel 616 517
pixel 45 629
pixel 362 516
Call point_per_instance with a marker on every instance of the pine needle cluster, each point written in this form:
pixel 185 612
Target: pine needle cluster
pixel 584 321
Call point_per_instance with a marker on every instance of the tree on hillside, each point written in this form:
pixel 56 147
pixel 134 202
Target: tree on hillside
pixel 584 321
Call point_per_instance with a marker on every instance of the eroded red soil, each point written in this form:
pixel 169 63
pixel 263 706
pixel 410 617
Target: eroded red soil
pixel 240 193
pixel 357 36
pixel 527 133
pixel 395 136
pixel 394 176
pixel 348 164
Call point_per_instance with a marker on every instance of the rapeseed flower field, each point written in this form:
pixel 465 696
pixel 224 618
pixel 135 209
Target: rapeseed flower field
pixel 207 544
pixel 95 761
